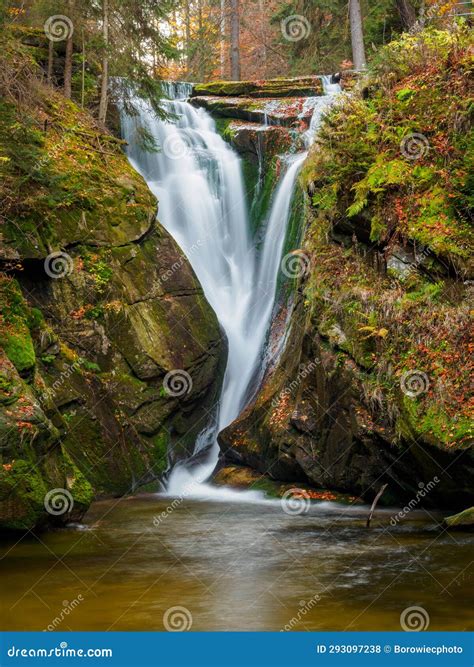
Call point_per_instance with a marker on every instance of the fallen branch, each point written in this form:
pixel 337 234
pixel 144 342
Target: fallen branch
pixel 374 504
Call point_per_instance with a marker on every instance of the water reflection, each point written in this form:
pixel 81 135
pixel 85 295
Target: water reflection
pixel 236 567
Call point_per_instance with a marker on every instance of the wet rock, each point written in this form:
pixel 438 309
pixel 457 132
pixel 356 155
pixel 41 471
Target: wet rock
pixel 288 112
pixel 242 477
pixel 463 520
pixel 259 143
pixel 306 86
pixel 318 426
pixel 99 308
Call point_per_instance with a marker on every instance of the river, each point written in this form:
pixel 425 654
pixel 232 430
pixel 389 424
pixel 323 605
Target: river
pixel 236 566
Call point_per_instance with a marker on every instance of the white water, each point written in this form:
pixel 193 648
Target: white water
pixel 197 180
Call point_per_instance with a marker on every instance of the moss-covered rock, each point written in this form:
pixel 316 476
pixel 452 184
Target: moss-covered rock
pixel 287 112
pixel 99 306
pixel 463 520
pixel 294 87
pixel 33 461
pixel 374 384
pixel 242 477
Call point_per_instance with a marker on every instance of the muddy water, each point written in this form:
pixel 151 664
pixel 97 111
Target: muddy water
pixel 236 566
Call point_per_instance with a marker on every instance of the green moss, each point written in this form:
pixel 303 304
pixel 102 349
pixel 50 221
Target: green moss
pixel 19 349
pixel 294 233
pixel 78 485
pixel 160 452
pixel 224 129
pixel 89 365
pixel 260 193
pixel 434 424
pixel 63 187
pixel 364 182
pixel 464 518
pixel 27 506
pixel 16 318
pixel 401 156
pixel 280 87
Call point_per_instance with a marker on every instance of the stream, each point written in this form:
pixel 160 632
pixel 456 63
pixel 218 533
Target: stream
pixel 236 566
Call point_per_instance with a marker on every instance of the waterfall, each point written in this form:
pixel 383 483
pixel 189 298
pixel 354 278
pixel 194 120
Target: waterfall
pixel 197 179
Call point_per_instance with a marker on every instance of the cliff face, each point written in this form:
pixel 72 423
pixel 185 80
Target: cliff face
pixel 373 386
pixel 110 352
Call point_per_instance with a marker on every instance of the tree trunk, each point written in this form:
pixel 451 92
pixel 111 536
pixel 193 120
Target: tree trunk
pixel 50 61
pixel 357 36
pixel 83 76
pixel 407 13
pixel 187 25
pixel 105 62
pixel 263 36
pixel 234 41
pixel 68 58
pixel 202 45
pixel 222 31
pixel 68 68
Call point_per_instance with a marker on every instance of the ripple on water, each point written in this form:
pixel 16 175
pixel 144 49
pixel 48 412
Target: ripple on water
pixel 237 566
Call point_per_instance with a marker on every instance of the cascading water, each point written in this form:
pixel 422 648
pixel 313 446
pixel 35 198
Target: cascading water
pixel 198 182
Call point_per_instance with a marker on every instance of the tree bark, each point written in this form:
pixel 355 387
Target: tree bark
pixel 50 61
pixel 407 13
pixel 357 35
pixel 104 84
pixel 83 75
pixel 68 69
pixel 263 25
pixel 234 40
pixel 222 32
pixel 200 42
pixel 187 26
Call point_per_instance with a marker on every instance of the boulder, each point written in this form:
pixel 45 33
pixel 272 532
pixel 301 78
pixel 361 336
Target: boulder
pixel 306 86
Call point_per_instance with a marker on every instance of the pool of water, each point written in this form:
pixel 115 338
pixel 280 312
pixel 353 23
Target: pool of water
pixel 236 566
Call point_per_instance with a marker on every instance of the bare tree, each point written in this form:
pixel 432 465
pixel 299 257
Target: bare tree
pixel 357 35
pixel 222 31
pixel 104 84
pixel 187 26
pixel 234 40
pixel 406 12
